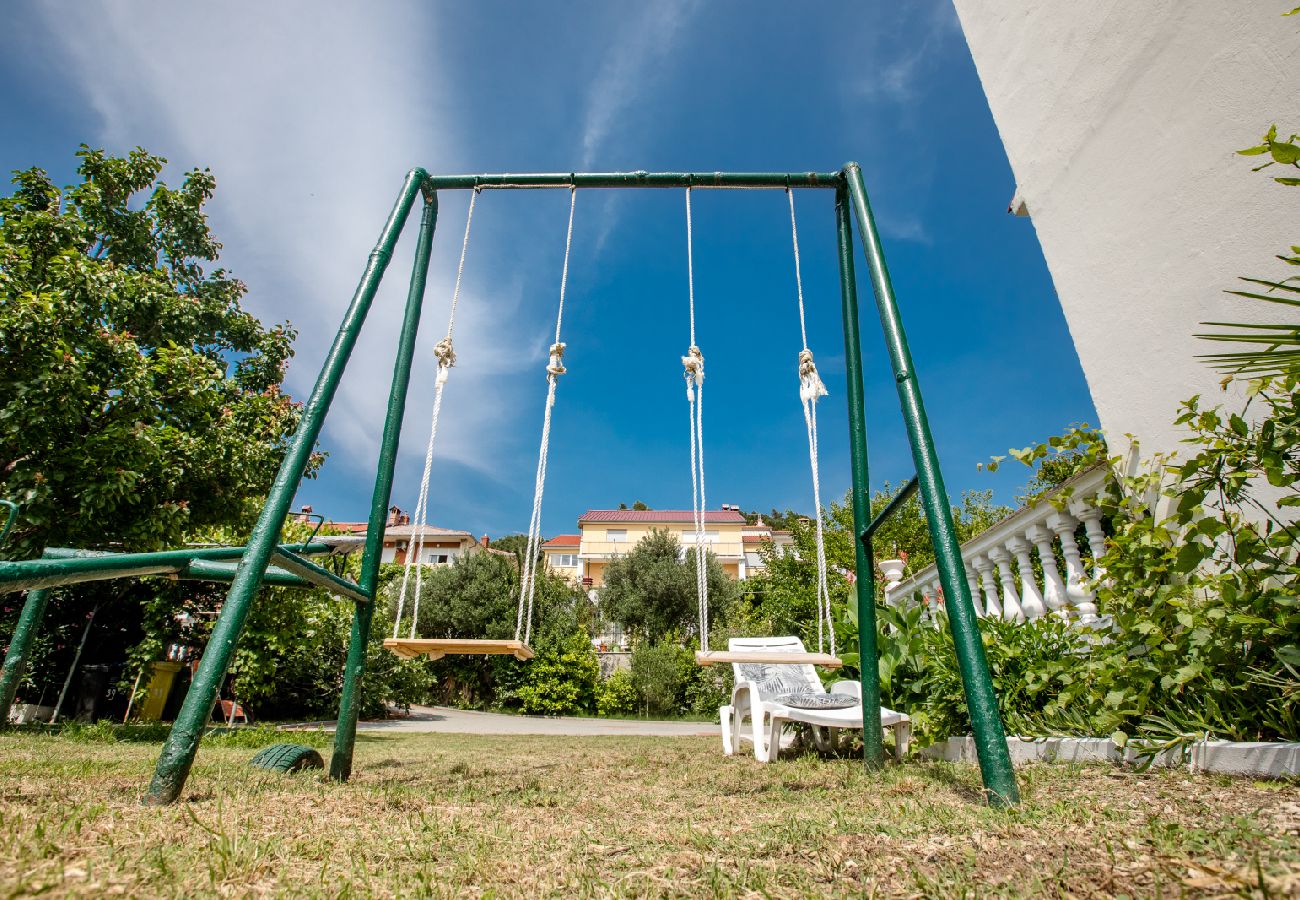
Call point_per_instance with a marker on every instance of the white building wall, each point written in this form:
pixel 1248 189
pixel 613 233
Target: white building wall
pixel 1120 118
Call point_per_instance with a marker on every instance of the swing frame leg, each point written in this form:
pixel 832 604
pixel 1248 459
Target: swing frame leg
pixel 345 731
pixel 182 744
pixel 20 645
pixel 981 701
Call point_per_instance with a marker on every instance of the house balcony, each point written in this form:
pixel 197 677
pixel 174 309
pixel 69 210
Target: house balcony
pixel 1000 561
pixel 725 551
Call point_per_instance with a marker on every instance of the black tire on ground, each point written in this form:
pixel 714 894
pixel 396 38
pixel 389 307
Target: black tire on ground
pixel 288 758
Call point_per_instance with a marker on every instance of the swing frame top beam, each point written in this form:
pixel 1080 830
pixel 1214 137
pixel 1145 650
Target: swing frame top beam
pixel 525 181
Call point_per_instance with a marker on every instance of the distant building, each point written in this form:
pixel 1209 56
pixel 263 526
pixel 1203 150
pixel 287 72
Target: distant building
pixel 439 547
pixel 604 534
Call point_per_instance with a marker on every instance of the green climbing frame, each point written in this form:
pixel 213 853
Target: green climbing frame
pixel 264 560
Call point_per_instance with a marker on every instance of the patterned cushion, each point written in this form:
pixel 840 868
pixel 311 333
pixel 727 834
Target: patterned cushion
pixel 817 700
pixel 773 680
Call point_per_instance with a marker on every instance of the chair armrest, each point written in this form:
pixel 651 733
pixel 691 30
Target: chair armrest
pixel 743 691
pixel 845 686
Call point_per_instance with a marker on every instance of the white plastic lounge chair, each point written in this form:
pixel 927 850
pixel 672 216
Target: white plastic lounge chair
pixel 763 689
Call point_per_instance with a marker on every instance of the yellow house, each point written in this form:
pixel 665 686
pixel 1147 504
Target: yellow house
pixel 607 533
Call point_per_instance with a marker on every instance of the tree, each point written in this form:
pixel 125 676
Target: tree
pixel 477 596
pixel 512 543
pixel 786 593
pixel 139 402
pixel 652 589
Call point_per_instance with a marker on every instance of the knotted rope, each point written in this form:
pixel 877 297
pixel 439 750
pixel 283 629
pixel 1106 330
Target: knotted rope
pixel 444 352
pixel 811 389
pixel 554 369
pixel 693 364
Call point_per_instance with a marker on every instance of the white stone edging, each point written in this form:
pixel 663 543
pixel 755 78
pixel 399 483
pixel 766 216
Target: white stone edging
pixel 1265 759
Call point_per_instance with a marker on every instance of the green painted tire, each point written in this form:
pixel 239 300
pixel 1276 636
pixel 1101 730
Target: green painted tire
pixel 288 758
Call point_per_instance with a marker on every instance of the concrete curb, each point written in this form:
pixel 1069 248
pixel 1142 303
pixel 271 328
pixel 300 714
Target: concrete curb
pixel 1263 759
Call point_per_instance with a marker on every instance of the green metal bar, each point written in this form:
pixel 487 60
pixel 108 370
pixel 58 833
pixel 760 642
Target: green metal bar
pixel 891 507
pixel 345 729
pixel 990 739
pixel 873 740
pixel 182 743
pixel 779 180
pixel 318 576
pixel 62 566
pixel 201 570
pixel 9 519
pixel 20 645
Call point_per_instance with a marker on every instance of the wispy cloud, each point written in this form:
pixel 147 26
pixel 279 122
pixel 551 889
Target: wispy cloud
pixel 309 115
pixel 904 64
pixel 645 42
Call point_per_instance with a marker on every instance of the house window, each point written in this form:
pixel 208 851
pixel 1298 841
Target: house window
pixel 438 559
pixel 753 559
pixel 616 535
pixel 564 560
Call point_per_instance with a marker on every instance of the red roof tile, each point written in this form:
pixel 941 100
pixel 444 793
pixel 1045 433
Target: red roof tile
pixel 563 540
pixel 654 516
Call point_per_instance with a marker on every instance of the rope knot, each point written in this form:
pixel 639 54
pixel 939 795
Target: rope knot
pixel 445 354
pixel 810 383
pixel 556 365
pixel 693 363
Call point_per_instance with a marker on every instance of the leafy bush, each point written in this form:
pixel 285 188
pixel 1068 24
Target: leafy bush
pixel 562 679
pixel 651 590
pixel 659 673
pixel 616 696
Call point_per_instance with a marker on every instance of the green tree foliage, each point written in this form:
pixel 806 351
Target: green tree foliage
pixel 651 590
pixel 477 596
pixel 563 679
pixel 1274 349
pixel 660 673
pixel 786 593
pixel 139 402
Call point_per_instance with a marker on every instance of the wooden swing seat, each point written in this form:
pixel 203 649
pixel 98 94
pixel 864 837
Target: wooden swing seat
pixel 773 657
pixel 437 648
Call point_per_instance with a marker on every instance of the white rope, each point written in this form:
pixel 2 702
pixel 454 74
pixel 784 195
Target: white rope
pixel 554 369
pixel 811 389
pixel 446 356
pixel 693 363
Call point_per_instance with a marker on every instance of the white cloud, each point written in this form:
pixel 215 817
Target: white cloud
pixel 309 115
pixel 629 61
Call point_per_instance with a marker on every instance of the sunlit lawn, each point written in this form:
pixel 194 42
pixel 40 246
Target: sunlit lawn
pixel 526 816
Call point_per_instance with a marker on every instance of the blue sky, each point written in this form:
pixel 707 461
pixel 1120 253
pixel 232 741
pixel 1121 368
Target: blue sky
pixel 310 114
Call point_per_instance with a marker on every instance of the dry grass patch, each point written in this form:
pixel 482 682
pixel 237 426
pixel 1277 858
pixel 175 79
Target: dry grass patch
pixel 527 816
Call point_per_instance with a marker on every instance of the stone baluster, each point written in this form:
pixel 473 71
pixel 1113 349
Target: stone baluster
pixel 1082 599
pixel 972 580
pixel 985 568
pixel 1011 610
pixel 1089 514
pixel 1031 598
pixel 1054 595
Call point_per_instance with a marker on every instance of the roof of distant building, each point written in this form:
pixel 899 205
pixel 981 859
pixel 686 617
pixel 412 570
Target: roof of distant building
pixel 398 530
pixel 564 540
pixel 655 516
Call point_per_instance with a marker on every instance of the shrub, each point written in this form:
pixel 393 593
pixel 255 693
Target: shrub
pixel 562 679
pixel 659 673
pixel 617 695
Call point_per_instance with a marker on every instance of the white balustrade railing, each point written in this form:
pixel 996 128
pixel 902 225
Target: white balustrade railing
pixel 1000 565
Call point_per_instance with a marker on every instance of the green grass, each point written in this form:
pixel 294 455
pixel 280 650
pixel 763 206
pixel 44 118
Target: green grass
pixel 533 815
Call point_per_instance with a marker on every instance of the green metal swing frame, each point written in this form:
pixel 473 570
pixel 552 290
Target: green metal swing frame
pixel 264 560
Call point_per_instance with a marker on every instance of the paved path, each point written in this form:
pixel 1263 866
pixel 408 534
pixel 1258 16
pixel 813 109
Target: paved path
pixel 429 719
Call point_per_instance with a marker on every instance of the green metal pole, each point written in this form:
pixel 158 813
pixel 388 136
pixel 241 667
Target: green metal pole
pixel 19 646
pixel 873 746
pixel 345 731
pixel 990 739
pixel 182 744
